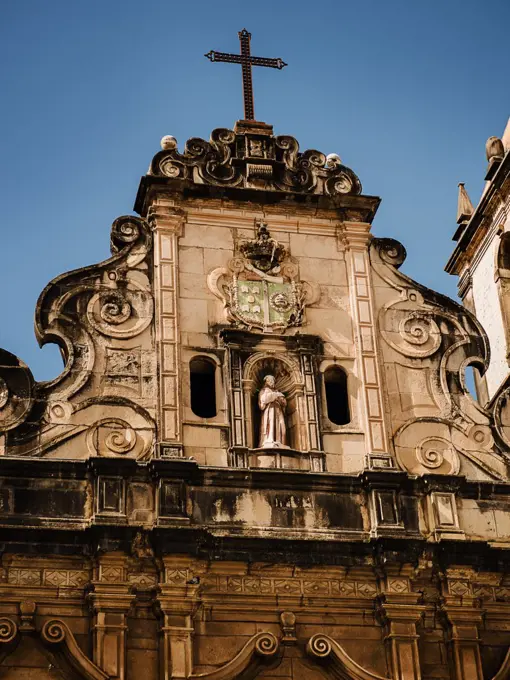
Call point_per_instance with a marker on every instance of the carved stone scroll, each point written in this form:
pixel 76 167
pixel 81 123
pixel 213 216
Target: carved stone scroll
pixel 101 317
pixel 56 633
pixel 428 335
pixel 328 652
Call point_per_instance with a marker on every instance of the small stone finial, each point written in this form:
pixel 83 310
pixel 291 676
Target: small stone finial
pixel 168 143
pixel 494 149
pixel 464 206
pixel 333 160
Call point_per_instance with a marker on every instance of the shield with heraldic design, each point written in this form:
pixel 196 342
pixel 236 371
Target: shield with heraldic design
pixel 264 302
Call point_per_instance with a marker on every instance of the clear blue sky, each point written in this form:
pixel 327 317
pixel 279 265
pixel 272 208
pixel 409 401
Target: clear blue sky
pixel 406 92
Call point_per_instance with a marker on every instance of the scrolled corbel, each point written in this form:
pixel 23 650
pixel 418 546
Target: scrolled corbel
pixel 9 637
pixel 266 645
pixel 56 633
pixel 8 630
pixel 260 648
pixel 323 648
pixel 319 646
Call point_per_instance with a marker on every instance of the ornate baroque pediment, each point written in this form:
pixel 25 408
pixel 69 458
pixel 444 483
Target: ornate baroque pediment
pixel 251 157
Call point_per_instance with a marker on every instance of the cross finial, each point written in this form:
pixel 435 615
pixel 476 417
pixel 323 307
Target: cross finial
pixel 246 61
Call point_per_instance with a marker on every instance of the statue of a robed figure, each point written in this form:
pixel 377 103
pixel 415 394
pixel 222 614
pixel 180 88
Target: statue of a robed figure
pixel 272 404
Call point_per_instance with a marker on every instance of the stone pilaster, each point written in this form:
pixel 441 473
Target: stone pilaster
pixel 356 237
pixel 463 618
pixel 167 222
pixel 400 611
pixel 464 641
pixel 177 602
pixel 110 602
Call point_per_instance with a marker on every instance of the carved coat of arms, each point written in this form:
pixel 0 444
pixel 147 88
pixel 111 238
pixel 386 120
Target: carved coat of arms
pixel 260 288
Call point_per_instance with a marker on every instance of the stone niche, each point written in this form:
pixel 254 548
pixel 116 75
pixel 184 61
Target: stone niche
pixel 292 360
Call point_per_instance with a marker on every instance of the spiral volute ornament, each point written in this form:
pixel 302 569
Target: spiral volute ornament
pixel 418 335
pixel 417 328
pixel 390 251
pixel 126 230
pixel 54 631
pixel 121 441
pixel 319 646
pixel 8 630
pixel 429 454
pixel 121 312
pixel 267 644
pixel 112 437
pixel 223 137
pixel 115 309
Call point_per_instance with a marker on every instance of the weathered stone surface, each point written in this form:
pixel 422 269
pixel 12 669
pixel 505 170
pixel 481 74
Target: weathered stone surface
pixel 149 530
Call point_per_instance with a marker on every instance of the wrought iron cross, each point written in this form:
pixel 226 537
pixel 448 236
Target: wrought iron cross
pixel 246 61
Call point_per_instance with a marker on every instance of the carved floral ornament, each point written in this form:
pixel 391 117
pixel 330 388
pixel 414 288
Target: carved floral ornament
pixel 88 312
pixel 260 287
pixel 252 159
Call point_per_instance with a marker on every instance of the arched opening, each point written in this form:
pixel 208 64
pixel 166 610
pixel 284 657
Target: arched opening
pixel 337 397
pixel 202 380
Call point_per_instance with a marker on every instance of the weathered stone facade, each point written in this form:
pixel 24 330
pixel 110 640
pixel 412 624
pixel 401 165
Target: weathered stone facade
pixel 148 531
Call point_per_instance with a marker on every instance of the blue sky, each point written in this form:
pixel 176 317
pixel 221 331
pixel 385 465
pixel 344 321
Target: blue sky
pixel 406 92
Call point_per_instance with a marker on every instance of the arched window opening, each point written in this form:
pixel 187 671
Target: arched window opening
pixel 337 398
pixel 202 380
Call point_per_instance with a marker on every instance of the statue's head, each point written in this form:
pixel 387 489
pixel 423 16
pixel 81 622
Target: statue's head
pixel 269 380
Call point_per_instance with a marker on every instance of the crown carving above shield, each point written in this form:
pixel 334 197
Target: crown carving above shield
pixel 264 252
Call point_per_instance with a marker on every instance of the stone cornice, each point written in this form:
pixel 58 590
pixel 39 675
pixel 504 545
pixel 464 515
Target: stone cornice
pixel 488 201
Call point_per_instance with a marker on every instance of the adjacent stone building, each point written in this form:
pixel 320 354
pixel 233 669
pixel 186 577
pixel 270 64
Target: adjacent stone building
pixel 261 458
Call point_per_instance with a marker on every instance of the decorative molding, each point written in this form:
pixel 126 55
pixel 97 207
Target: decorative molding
pixel 320 587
